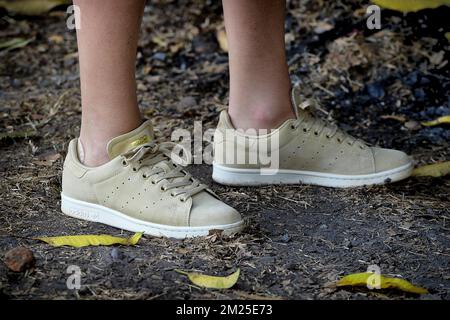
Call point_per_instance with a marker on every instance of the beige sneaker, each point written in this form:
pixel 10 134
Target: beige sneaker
pixel 140 189
pixel 303 150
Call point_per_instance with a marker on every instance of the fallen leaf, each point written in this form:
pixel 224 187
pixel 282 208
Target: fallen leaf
pixel 90 240
pixel 432 170
pixel 14 43
pixel 56 38
pixel 215 232
pixel 48 159
pixel 361 280
pixel 73 55
pixel 410 5
pixel 174 48
pixel 440 120
pixel 399 118
pixel 437 57
pixel 221 36
pixel 147 69
pixel 322 26
pixel 252 296
pixel 212 282
pixel 17 134
pixel 19 259
pixel 159 41
pixel 31 7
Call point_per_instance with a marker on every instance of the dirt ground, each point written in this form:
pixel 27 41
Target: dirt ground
pixel 379 86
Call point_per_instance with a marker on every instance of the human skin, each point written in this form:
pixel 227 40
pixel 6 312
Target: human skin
pixel 107 45
pixel 259 78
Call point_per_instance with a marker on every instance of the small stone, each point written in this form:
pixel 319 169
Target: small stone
pixel 116 254
pixel 411 79
pixel 375 90
pixel 346 242
pixel 141 87
pixel 19 259
pixel 161 56
pixel 424 81
pixel 204 45
pixel 16 83
pixel 412 125
pixel 420 94
pixel 187 102
pixel 285 238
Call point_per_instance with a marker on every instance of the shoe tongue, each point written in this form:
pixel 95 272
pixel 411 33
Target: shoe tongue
pixel 124 143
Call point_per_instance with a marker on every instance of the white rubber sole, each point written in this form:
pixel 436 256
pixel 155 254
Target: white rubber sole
pixel 97 213
pixel 253 177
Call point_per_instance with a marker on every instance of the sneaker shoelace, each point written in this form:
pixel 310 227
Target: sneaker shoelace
pixel 311 122
pixel 154 161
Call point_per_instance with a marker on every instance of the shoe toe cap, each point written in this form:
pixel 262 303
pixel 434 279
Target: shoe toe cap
pixel 208 211
pixel 387 159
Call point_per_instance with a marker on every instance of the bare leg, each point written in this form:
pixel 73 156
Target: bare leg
pixel 259 79
pixel 107 44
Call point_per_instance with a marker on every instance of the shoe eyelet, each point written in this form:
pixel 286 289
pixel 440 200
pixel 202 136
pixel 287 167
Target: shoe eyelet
pixel 305 130
pixel 144 176
pixel 316 133
pixel 293 127
pixel 162 188
pixel 134 169
pixel 172 194
pixel 339 140
pixel 124 163
pixel 153 182
pixel 182 199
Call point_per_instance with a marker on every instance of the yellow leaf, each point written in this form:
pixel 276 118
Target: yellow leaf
pixel 31 7
pixel 410 5
pixel 56 38
pixel 361 280
pixel 90 240
pixel 205 281
pixel 433 170
pixel 159 41
pixel 444 119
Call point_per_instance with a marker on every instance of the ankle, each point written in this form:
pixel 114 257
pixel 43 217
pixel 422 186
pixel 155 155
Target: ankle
pixel 95 135
pixel 260 118
pixel 92 155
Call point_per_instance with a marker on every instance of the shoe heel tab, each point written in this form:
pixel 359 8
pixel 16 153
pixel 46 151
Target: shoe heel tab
pixel 224 120
pixel 72 150
pixel 72 161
